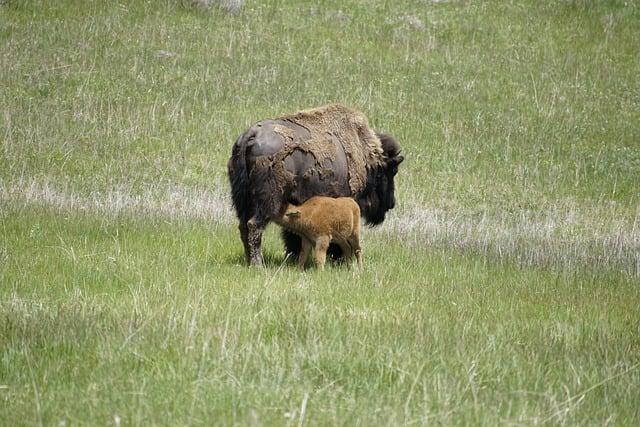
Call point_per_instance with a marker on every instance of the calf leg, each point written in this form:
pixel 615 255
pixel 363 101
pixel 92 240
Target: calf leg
pixel 304 252
pixel 359 256
pixel 322 244
pixel 255 227
pixel 354 242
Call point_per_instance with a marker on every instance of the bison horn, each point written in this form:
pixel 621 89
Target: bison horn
pixel 395 161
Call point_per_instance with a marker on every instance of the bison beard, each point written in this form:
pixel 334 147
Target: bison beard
pixel 328 151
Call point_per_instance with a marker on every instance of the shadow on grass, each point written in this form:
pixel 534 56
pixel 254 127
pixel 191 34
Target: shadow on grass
pixel 237 258
pixel 274 260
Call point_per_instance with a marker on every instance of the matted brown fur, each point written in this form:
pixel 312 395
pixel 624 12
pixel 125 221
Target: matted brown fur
pixel 361 145
pixel 321 221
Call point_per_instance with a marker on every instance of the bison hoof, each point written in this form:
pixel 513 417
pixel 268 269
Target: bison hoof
pixel 257 261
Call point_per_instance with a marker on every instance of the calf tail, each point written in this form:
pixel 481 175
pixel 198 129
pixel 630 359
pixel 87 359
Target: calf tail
pixel 354 239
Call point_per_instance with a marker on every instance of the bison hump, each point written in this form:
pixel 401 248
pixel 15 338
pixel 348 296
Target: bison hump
pixel 323 127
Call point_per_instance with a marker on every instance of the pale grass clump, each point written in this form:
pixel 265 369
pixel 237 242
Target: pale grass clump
pixel 232 6
pixel 176 202
pixel 563 236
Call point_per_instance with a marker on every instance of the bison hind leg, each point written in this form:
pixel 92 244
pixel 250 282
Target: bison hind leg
pixel 255 228
pixel 335 253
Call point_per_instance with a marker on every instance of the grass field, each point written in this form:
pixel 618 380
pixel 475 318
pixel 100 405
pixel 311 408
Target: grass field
pixel 504 288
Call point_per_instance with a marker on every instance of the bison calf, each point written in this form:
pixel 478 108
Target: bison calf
pixel 320 221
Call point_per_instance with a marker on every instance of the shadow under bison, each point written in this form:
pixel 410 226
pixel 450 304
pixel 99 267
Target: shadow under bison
pixel 325 151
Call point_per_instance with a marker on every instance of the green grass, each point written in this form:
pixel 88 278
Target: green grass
pixel 502 290
pixel 515 105
pixel 159 323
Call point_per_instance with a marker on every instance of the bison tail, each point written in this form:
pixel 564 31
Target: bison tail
pixel 239 177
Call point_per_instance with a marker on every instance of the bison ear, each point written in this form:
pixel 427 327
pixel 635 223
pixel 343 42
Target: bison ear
pixel 293 214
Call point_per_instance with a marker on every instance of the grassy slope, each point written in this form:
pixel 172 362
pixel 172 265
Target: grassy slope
pixel 504 109
pixel 497 105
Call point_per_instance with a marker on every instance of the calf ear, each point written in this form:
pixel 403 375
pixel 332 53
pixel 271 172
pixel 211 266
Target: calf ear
pixel 293 214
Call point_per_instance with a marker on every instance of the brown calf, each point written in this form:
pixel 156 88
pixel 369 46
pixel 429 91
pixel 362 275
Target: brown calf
pixel 320 221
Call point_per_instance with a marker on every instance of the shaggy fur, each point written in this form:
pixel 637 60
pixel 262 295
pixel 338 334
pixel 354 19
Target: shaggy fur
pixel 351 128
pixel 326 151
pixel 323 220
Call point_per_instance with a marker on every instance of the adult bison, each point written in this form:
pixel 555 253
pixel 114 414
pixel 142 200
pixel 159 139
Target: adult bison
pixel 325 151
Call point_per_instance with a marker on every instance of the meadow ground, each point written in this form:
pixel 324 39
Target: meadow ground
pixel 504 289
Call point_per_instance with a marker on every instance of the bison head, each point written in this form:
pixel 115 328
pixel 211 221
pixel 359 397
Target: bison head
pixel 379 195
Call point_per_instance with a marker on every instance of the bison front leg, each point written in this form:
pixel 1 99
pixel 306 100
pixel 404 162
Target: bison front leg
pixel 292 243
pixel 255 227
